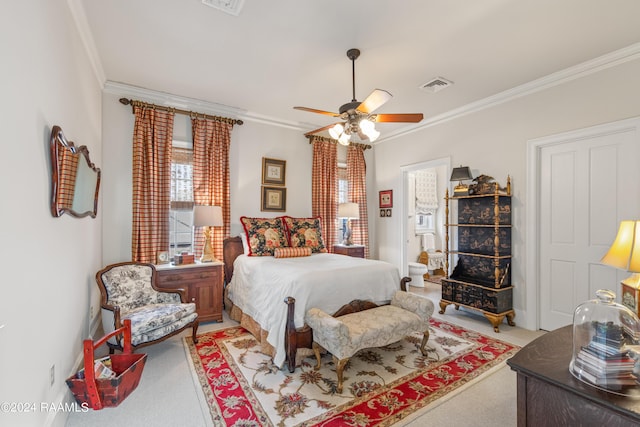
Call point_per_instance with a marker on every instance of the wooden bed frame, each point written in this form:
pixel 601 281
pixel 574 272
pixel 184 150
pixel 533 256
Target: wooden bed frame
pixel 295 338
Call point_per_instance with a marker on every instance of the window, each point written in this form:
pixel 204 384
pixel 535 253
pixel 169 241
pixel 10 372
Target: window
pixel 181 211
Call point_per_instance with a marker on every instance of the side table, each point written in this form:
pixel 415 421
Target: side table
pixel 350 250
pixel 203 283
pixel 548 395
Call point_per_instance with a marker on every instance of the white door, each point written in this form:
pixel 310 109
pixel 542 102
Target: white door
pixel 589 181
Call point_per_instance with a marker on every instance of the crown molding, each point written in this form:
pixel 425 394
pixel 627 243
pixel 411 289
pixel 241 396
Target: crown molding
pixel 82 25
pixel 199 105
pixel 612 59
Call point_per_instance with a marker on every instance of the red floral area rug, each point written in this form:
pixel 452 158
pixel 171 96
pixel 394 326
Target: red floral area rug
pixel 382 385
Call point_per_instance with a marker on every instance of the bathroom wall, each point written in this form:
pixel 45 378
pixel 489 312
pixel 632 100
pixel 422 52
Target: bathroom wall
pixel 414 241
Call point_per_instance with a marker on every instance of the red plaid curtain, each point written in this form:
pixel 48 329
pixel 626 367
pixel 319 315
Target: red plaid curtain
pixel 211 142
pixel 152 138
pixel 324 187
pixel 357 179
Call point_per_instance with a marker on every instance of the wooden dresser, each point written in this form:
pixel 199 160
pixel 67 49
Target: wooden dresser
pixel 548 395
pixel 203 283
pixel 351 250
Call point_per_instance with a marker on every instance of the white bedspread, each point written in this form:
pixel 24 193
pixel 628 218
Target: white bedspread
pixel 260 285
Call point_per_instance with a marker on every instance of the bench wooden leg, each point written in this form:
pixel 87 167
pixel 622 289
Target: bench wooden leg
pixel 316 351
pixel 423 346
pixel 340 364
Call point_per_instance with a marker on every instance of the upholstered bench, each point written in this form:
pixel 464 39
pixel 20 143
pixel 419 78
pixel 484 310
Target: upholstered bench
pixel 344 336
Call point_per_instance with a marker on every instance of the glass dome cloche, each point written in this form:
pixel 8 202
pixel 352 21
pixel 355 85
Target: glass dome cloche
pixel 606 345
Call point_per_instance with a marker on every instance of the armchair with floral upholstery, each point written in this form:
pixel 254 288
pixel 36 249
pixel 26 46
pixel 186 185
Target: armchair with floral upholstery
pixel 129 291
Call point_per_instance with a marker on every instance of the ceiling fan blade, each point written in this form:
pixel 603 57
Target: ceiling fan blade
pixel 313 110
pixel 404 118
pixel 320 129
pixel 374 100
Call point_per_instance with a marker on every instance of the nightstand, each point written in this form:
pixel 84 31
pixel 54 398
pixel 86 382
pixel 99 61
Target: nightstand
pixel 351 250
pixel 203 283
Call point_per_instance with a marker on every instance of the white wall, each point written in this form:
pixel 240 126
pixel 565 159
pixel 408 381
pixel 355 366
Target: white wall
pixel 493 142
pixel 48 263
pixel 249 143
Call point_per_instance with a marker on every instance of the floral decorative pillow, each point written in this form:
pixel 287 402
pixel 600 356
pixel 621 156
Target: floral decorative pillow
pixel 264 235
pixel 292 252
pixel 305 232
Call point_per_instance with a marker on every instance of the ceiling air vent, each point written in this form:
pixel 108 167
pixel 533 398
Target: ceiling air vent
pixel 232 7
pixel 436 84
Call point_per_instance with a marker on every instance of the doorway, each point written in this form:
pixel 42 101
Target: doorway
pixel 581 185
pixel 414 224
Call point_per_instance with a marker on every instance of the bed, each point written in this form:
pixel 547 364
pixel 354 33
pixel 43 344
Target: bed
pixel 269 296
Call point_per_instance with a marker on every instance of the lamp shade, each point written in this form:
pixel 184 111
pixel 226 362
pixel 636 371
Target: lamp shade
pixel 624 253
pixel 461 174
pixel 348 210
pixel 204 216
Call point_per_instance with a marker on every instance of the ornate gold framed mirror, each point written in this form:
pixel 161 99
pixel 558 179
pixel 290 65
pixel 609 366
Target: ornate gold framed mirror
pixel 75 180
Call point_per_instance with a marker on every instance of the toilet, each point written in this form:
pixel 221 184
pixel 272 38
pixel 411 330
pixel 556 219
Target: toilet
pixel 417 272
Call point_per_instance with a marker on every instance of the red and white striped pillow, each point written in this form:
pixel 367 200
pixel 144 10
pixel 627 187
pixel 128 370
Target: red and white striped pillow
pixel 291 252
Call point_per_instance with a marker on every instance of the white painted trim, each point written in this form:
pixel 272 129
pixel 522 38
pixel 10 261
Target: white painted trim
pixel 199 105
pixel 586 68
pixel 612 59
pixel 531 313
pixel 404 226
pixel 82 25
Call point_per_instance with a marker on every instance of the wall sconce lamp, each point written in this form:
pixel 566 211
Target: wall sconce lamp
pixel 349 211
pixel 207 217
pixel 463 173
pixel 624 254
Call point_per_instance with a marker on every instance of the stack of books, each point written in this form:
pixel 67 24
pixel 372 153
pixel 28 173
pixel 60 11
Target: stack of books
pixel 605 361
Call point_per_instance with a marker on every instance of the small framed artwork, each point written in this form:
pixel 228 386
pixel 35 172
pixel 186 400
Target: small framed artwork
pixel 388 214
pixel 273 199
pixel 383 213
pixel 386 199
pixel 162 257
pixel 273 171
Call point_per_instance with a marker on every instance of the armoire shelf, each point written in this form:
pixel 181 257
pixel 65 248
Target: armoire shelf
pixel 481 280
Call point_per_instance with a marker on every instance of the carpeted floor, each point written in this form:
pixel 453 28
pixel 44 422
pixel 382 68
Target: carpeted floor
pixel 167 395
pixel 382 385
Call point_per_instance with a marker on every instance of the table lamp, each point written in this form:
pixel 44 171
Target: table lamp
pixel 463 173
pixel 349 211
pixel 624 254
pixel 207 217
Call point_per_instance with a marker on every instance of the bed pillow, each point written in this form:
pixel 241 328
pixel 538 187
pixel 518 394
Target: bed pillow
pixel 305 232
pixel 264 235
pixel 245 243
pixel 291 252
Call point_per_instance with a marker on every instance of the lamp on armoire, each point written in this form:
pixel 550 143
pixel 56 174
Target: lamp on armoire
pixel 207 217
pixel 624 254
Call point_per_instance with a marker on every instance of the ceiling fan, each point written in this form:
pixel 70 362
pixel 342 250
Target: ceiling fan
pixel 358 116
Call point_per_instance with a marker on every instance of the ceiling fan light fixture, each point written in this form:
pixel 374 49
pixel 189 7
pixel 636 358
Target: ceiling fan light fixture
pixel 372 135
pixel 366 125
pixel 368 128
pixel 336 131
pixel 344 139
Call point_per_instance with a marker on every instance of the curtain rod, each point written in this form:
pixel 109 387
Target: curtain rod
pixel 324 138
pixel 125 101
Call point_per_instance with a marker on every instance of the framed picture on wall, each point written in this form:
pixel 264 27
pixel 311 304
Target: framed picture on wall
pixel 273 171
pixel 386 199
pixel 273 199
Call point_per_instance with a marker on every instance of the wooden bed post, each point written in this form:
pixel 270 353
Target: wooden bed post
pixel 403 283
pixel 290 336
